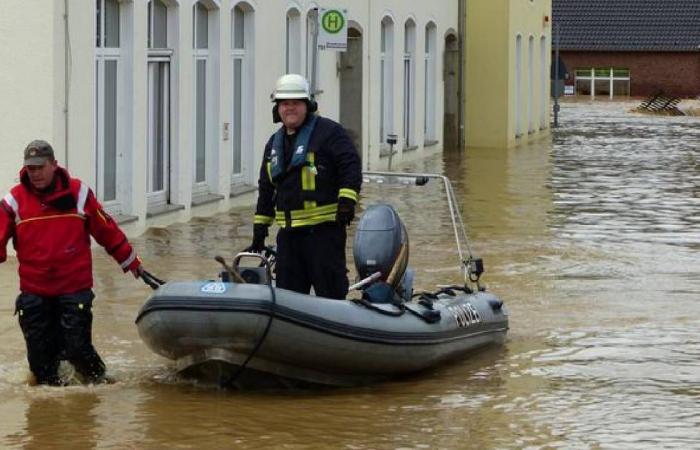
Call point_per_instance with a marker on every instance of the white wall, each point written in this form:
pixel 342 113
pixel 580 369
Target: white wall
pixel 26 82
pixel 33 94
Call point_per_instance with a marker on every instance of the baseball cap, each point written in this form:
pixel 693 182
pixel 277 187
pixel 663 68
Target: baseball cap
pixel 37 153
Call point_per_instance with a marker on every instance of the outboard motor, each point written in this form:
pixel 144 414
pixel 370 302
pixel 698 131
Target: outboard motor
pixel 381 245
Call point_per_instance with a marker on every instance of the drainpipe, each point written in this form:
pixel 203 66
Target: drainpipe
pixel 367 35
pixel 66 79
pixel 461 19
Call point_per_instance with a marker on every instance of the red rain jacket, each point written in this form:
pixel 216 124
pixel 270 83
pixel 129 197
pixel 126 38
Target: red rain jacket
pixel 51 235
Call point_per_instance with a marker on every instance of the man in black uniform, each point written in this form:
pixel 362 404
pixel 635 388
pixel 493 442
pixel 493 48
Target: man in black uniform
pixel 309 184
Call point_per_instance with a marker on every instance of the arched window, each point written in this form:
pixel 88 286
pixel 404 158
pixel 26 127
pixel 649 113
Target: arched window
pixel 386 94
pixel 159 112
pixel 544 76
pixel 518 82
pixel 293 46
pixel 530 84
pixel 108 56
pixel 205 42
pixel 430 81
pixel 409 84
pixel 242 52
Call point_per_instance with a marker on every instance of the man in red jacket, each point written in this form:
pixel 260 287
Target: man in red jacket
pixel 50 218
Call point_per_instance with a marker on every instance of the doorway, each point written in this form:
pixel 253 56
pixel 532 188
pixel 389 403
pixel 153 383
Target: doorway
pixel 351 88
pixel 452 98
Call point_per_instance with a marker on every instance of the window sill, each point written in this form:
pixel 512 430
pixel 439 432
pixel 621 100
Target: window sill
pixel 163 209
pixel 240 189
pixel 430 143
pixel 204 199
pixel 410 148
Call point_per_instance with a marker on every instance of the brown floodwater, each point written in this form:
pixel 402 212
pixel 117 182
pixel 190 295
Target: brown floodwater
pixel 593 240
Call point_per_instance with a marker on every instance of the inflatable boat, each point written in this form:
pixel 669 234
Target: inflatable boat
pixel 241 330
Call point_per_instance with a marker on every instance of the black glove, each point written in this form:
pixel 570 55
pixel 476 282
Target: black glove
pixel 346 211
pixel 259 235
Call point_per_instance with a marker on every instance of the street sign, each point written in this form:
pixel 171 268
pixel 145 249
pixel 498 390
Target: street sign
pixel 333 29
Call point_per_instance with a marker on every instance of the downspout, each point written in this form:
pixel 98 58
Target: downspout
pixel 66 79
pixel 369 84
pixel 461 19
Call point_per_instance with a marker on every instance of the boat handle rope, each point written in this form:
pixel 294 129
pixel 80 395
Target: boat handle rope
pixel 430 316
pixel 151 280
pixel 228 382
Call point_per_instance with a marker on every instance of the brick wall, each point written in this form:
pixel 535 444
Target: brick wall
pixel 676 74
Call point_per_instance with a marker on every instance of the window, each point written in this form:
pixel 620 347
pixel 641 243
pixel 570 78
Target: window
pixel 310 63
pixel 158 146
pixel 293 48
pixel 518 83
pixel 544 76
pixel 201 56
pixel 606 81
pixel 205 37
pixel 386 94
pixel 409 87
pixel 108 65
pixel 530 84
pixel 242 59
pixel 430 81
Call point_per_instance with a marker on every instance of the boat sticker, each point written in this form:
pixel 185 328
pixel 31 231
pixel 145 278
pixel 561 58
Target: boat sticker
pixel 214 287
pixel 465 314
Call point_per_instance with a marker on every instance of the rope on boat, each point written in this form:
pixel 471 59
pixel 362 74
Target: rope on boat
pixel 228 382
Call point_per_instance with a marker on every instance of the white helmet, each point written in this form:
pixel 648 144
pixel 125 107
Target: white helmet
pixel 291 86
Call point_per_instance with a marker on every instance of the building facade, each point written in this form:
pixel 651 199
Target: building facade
pixel 163 106
pixel 508 46
pixel 623 48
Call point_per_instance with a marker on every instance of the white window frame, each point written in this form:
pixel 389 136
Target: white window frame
pixel 103 55
pixel 530 84
pixel 292 54
pixel 204 187
pixel 157 58
pixel 409 83
pixel 593 78
pixel 246 125
pixel 544 76
pixel 386 124
pixel 517 94
pixel 429 126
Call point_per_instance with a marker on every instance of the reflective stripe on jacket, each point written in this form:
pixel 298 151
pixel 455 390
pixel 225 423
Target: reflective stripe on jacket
pixel 51 235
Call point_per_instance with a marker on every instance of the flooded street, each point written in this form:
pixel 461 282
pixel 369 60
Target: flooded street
pixel 592 240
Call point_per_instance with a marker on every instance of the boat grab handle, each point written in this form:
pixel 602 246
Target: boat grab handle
pixel 264 262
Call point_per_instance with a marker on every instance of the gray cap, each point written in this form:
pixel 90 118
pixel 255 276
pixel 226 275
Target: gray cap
pixel 37 153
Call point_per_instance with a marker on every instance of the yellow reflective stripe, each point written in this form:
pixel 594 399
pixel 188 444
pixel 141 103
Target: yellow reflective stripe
pixel 349 193
pixel 308 179
pixel 265 220
pixel 309 213
pixel 308 222
pixel 269 171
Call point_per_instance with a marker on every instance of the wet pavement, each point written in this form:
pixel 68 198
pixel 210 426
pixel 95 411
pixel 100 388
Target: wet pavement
pixel 592 238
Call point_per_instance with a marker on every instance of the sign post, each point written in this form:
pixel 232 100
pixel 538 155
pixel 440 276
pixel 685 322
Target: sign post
pixel 333 29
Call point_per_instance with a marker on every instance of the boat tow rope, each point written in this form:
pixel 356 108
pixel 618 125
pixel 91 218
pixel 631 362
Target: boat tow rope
pixel 151 280
pixel 228 382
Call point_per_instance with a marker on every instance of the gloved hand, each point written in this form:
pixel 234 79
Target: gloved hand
pixel 134 267
pixel 259 235
pixel 346 211
pixel 137 271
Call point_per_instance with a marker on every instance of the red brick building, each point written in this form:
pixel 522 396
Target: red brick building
pixel 633 48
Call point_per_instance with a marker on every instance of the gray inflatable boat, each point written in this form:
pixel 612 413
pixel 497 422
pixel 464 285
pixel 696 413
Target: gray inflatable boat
pixel 252 334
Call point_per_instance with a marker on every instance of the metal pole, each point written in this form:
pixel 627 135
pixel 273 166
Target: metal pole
pixel 314 54
pixel 556 76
